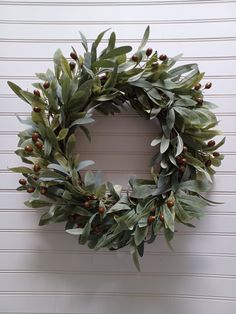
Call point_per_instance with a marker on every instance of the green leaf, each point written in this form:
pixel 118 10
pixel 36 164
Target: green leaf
pixel 156 141
pixel 140 235
pixel 134 253
pixel 145 38
pixel 61 160
pixel 170 118
pixel 180 145
pixel 65 67
pixel 62 134
pixel 117 52
pixel 37 203
pixel 23 170
pixel 165 142
pixel 17 90
pixel 99 38
pixel 82 121
pixel 168 218
pixel 75 231
pixel 104 63
pixel 84 41
pixel 85 164
pixel 195 186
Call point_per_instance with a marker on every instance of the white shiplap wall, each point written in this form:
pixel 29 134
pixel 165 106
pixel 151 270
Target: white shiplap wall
pixel 42 270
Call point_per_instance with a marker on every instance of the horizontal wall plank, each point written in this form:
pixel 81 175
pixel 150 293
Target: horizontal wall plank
pixel 168 12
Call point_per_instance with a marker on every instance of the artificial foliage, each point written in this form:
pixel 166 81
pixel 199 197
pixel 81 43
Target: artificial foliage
pixel 104 215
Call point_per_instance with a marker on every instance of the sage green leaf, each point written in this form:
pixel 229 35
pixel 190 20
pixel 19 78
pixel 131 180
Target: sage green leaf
pixel 104 63
pixel 140 235
pixel 118 207
pixel 134 253
pixel 111 82
pixel 65 67
pixel 17 90
pixel 168 218
pixel 62 134
pixel 156 141
pixel 47 148
pixel 89 179
pixel 84 41
pixel 58 168
pixel 143 191
pixel 180 145
pixel 70 145
pixel 61 160
pixel 75 231
pixel 117 52
pixel 112 190
pixel 99 38
pixel 37 203
pixel 85 164
pixel 145 38
pixel 23 170
pixel 165 142
pixel 195 186
pixel 86 132
pixel 212 149
pixel 82 121
pixel 170 118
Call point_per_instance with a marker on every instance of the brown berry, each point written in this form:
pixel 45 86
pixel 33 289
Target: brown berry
pixel 208 85
pixel 73 55
pixel 198 86
pixel 199 101
pixel 183 161
pixel 163 57
pixel 211 143
pixel 170 203
pixel 46 85
pixel 72 65
pixel 43 190
pixel 161 216
pixel 29 148
pixel 151 219
pixel 178 160
pixel 182 169
pixel 39 144
pixel 101 210
pixel 37 109
pixel 37 167
pixel 208 163
pixel 35 136
pixel 148 52
pixel 185 149
pixel 216 154
pixel 22 181
pixel 135 58
pixel 86 204
pixel 155 65
pixel 37 92
pixel 30 189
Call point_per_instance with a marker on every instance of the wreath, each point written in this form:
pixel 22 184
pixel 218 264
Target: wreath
pixel 102 214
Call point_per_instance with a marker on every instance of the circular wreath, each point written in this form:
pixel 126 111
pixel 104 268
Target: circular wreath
pixel 103 215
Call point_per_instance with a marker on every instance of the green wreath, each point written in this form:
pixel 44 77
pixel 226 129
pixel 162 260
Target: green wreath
pixel 101 214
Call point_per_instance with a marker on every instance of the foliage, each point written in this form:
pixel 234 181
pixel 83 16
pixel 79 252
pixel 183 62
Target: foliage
pixel 100 214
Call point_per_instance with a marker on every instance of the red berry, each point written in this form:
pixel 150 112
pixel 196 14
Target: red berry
pixel 216 154
pixel 161 216
pixel 39 144
pixel 211 143
pixel 73 55
pixel 185 149
pixel 101 210
pixel 37 92
pixel 148 52
pixel 183 161
pixel 43 190
pixel 198 86
pixel 208 85
pixel 199 101
pixel 46 85
pixel 37 109
pixel 163 57
pixel 30 189
pixel 170 203
pixel 151 219
pixel 72 65
pixel 22 181
pixel 208 163
pixel 29 148
pixel 35 136
pixel 135 58
pixel 37 167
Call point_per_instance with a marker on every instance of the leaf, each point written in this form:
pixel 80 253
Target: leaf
pixel 104 63
pixel 89 179
pixel 180 145
pixel 195 186
pixel 143 191
pixel 17 90
pixel 140 235
pixel 134 253
pixel 65 67
pixel 82 121
pixel 165 142
pixel 61 160
pixel 84 41
pixel 117 52
pixel 37 203
pixel 145 38
pixel 58 168
pixel 84 164
pixel 168 218
pixel 62 134
pixel 75 231
pixel 170 118
pixel 99 38
pixel 23 170
pixel 156 141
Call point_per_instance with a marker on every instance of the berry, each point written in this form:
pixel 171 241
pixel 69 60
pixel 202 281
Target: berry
pixel 155 65
pixel 151 219
pixel 182 169
pixel 46 85
pixel 22 181
pixel 183 161
pixel 37 109
pixel 211 143
pixel 43 190
pixel 37 167
pixel 208 85
pixel 163 57
pixel 135 58
pixel 29 148
pixel 101 210
pixel 161 216
pixel 170 203
pixel 37 92
pixel 199 101
pixel 185 149
pixel 72 65
pixel 216 154
pixel 39 144
pixel 86 204
pixel 73 55
pixel 198 86
pixel 148 52
pixel 35 136
pixel 178 160
pixel 208 163
pixel 30 189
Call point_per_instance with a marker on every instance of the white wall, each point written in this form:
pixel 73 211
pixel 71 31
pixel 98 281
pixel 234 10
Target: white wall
pixel 42 270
